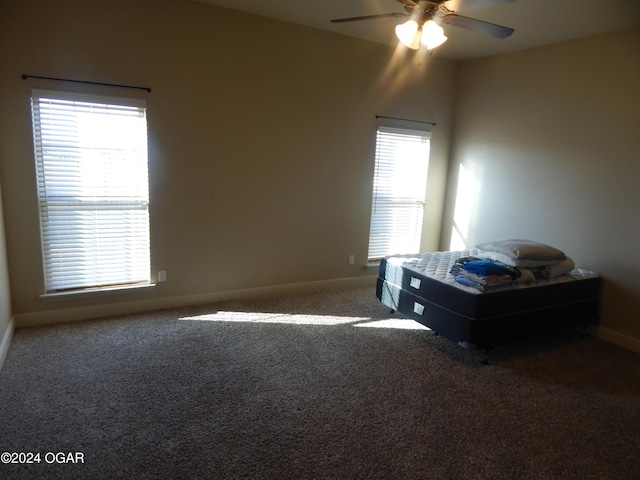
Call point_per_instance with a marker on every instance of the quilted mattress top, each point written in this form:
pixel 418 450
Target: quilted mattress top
pixel 437 265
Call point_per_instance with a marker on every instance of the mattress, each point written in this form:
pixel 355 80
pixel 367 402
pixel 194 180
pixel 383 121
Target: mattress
pixel 426 276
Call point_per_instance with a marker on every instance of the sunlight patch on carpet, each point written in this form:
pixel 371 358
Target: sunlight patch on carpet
pixel 399 323
pixel 302 319
pixel 259 317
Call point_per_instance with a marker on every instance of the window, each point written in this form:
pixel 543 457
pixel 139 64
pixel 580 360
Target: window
pixel 92 174
pixel 399 188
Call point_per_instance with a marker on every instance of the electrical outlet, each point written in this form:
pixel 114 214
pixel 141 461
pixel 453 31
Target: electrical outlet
pixel 162 276
pixel 352 259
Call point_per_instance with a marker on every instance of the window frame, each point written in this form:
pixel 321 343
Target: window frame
pixel 384 171
pixel 81 183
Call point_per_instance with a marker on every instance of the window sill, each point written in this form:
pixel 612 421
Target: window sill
pixel 97 292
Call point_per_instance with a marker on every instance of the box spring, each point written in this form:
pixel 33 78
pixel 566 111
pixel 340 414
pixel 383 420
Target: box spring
pixel 487 319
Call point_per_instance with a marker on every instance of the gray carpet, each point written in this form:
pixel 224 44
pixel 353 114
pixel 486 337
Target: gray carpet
pixel 312 387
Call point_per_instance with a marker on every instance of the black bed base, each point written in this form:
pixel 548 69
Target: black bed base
pixel 578 308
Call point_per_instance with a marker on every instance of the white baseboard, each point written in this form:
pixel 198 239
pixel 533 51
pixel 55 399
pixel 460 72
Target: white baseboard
pixel 620 339
pixel 6 340
pixel 84 313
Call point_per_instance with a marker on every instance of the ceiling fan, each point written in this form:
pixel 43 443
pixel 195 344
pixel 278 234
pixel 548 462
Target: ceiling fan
pixel 427 17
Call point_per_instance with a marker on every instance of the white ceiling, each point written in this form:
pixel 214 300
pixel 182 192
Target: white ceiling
pixel 536 22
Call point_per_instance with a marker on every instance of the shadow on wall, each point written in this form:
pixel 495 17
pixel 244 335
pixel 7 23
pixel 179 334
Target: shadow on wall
pixel 620 302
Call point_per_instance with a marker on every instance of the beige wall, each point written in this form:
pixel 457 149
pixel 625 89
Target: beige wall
pixel 261 142
pixel 549 138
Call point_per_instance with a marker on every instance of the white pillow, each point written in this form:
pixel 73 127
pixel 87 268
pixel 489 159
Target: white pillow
pixel 516 262
pixel 523 249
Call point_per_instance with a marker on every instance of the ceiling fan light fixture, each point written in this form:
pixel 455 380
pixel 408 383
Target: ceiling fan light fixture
pixel 409 34
pixel 432 35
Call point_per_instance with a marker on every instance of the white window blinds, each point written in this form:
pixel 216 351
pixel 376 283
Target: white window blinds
pixel 92 173
pixel 399 189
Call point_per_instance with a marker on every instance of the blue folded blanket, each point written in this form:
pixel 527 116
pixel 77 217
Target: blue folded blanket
pixel 482 283
pixel 486 268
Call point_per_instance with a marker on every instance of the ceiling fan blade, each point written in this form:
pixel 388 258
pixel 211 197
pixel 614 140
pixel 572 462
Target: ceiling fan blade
pixel 369 17
pixel 462 5
pixel 409 4
pixel 491 29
